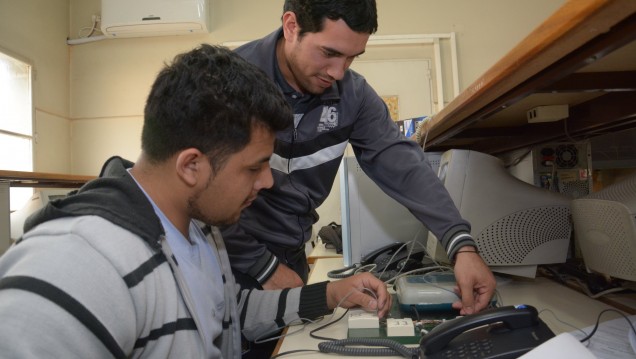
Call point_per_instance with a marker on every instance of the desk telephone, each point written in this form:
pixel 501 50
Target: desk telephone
pixel 505 332
pixel 382 258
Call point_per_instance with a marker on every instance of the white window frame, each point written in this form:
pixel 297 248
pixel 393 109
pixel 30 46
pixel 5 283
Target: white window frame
pixel 20 195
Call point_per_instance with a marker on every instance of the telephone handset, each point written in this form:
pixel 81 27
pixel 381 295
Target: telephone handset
pixel 505 332
pixel 384 258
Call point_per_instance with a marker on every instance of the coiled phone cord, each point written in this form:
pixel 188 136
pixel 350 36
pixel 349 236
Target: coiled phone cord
pixel 391 347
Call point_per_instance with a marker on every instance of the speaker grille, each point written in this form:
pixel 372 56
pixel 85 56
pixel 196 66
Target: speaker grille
pixel 509 240
pixel 575 189
pixel 609 244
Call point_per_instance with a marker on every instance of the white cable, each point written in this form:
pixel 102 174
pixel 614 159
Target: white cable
pixel 84 40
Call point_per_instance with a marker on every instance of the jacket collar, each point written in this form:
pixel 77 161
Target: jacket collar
pixel 114 196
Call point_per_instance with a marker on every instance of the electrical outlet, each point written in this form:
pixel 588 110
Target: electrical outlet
pixel 399 327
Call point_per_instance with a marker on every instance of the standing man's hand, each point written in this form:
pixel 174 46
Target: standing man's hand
pixel 476 283
pixel 283 277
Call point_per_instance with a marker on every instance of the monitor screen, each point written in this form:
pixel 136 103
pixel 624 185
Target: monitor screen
pixel 370 218
pixel 516 225
pixel 605 229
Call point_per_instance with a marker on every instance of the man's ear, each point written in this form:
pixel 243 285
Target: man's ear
pixel 192 166
pixel 290 26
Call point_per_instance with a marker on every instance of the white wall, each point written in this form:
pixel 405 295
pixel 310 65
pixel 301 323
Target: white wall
pixel 110 79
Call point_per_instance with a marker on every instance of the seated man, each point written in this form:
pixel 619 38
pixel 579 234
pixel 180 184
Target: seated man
pixel 126 267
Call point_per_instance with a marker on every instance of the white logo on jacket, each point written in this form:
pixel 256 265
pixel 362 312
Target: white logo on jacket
pixel 328 119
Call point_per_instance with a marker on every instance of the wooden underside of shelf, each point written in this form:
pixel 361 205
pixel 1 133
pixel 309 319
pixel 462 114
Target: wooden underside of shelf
pixel 43 180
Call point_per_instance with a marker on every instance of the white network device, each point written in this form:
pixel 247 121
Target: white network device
pixel 399 327
pixel 426 292
pixel 548 113
pixel 361 319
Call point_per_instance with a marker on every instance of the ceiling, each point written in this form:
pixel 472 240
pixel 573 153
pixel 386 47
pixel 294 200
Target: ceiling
pixel 596 79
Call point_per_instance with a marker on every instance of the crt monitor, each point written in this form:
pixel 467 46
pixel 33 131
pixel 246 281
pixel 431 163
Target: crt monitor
pixel 605 229
pixel 370 218
pixel 516 225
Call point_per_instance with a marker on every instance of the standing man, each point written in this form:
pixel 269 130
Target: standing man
pixel 309 59
pixel 126 269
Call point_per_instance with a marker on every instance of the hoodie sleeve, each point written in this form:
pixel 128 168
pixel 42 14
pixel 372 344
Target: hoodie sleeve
pixel 264 312
pixel 396 163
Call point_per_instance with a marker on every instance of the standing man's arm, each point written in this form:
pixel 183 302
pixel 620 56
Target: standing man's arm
pixel 396 163
pixel 283 277
pixel 251 257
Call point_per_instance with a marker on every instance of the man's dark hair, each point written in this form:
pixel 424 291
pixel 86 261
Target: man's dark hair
pixel 359 15
pixel 208 98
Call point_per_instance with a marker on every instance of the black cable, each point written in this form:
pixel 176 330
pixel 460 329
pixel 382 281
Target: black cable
pixel 313 336
pixel 599 318
pixel 417 314
pixel 326 325
pixel 294 352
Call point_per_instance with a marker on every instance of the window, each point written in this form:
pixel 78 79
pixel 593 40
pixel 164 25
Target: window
pixel 16 122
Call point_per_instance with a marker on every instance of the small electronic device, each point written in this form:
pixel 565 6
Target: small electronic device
pixel 361 319
pixel 400 327
pixel 426 292
pixel 505 332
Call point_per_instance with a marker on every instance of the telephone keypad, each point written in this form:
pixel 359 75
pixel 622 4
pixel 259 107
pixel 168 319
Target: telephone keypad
pixel 476 349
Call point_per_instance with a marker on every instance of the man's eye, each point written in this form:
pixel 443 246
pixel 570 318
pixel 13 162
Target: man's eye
pixel 330 54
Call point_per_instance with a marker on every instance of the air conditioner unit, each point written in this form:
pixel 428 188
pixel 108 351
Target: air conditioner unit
pixel 139 18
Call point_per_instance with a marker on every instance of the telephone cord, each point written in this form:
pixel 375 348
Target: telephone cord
pixel 391 347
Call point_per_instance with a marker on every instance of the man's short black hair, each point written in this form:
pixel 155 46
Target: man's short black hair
pixel 359 15
pixel 209 98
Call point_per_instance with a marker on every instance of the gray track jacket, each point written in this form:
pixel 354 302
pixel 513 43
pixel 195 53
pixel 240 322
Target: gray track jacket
pixel 97 265
pixel 306 159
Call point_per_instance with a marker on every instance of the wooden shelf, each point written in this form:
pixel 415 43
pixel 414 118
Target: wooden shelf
pixel 42 179
pixel 570 58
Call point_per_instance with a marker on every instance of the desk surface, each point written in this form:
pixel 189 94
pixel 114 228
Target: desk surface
pixel 320 251
pixel 547 296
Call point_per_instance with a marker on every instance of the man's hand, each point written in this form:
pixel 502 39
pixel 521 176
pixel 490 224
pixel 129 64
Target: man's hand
pixel 283 277
pixel 476 283
pixel 353 288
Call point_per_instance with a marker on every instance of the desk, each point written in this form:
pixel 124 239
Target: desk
pixel 29 179
pixel 321 251
pixel 544 294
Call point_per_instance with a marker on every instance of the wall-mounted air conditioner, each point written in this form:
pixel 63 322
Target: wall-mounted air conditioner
pixel 138 18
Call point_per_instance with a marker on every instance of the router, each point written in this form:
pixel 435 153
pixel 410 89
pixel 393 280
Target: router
pixel 426 292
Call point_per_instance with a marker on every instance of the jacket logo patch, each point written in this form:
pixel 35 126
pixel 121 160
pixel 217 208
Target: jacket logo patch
pixel 328 119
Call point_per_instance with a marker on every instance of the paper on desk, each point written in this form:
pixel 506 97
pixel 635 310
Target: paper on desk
pixel 611 340
pixel 563 345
